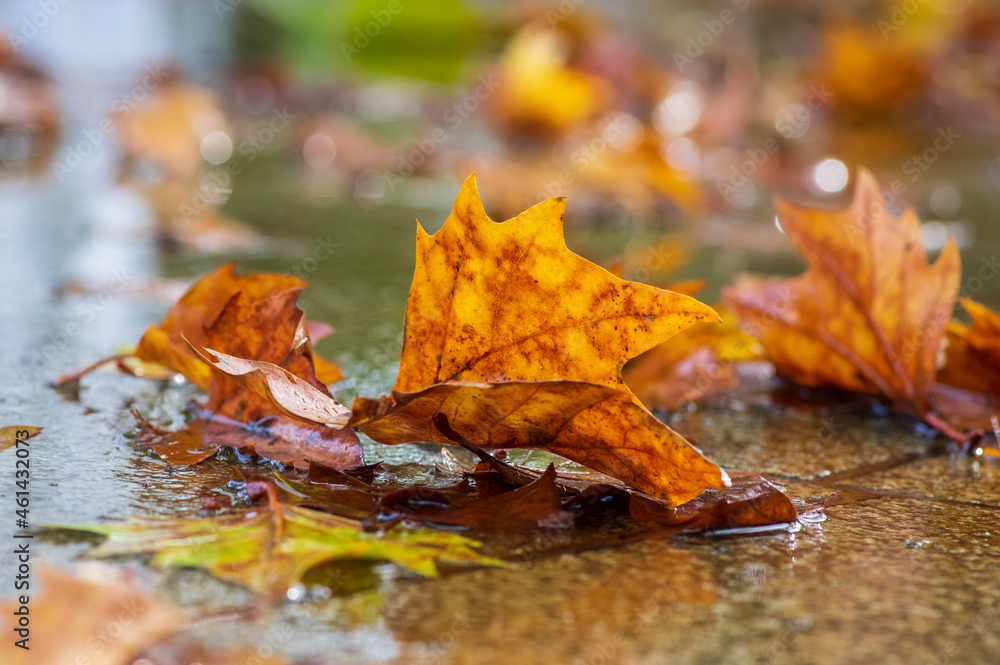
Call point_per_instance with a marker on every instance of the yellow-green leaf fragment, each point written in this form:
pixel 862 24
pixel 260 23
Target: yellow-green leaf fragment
pixel 269 551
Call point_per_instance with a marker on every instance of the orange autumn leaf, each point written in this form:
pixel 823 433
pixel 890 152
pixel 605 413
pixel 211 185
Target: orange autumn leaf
pixel 497 302
pixel 868 315
pixel 694 364
pixel 200 308
pixel 508 303
pixel 968 389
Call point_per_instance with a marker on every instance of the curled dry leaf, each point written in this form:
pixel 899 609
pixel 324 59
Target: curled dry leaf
pixel 868 315
pixel 198 316
pixel 261 325
pixel 71 615
pixel 280 388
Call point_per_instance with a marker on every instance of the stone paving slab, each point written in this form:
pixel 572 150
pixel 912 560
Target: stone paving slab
pixel 947 477
pixel 800 445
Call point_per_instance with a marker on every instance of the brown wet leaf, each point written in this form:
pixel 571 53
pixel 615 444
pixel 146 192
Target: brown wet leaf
pixel 749 502
pixel 92 615
pixel 280 440
pixel 536 505
pixel 11 435
pixel 868 315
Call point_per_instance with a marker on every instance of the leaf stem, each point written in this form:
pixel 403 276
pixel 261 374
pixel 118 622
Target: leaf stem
pixel 116 358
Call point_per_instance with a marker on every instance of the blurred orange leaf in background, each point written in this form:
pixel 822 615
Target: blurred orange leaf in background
pixel 869 314
pixel 696 363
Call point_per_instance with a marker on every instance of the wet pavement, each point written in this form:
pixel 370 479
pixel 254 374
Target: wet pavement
pixel 901 566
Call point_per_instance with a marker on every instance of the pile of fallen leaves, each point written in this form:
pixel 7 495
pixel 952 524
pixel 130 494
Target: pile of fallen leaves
pixel 513 341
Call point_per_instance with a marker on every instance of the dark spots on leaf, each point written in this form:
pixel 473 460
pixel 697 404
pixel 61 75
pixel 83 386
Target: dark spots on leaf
pixel 539 438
